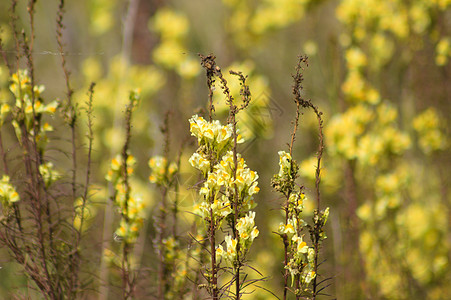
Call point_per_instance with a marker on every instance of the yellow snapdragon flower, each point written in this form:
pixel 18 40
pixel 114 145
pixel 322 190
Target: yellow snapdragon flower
pixel 48 174
pixel 8 193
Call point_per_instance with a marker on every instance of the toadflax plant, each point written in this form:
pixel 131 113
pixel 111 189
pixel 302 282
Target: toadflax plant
pixel 173 262
pixel 42 207
pixel 226 194
pixel 301 260
pixel 129 205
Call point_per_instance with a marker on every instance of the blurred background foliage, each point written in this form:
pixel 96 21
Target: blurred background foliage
pixel 380 71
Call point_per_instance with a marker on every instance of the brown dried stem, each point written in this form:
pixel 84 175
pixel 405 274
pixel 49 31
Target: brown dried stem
pixel 209 64
pixel 128 281
pixel 317 227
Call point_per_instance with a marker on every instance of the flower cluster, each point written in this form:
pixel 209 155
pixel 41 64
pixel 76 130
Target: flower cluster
pixel 226 176
pixel 300 257
pixel 247 229
pixel 429 127
pixel 221 208
pixel 377 31
pixel 130 206
pixel 116 168
pixel 173 28
pixel 215 139
pixel 247 232
pixel 301 261
pixel 348 134
pixel 176 263
pixel 161 172
pixel 443 50
pixel 250 20
pixel 220 185
pixel 132 219
pixel 283 182
pixel 212 134
pixel 8 193
pixel 200 162
pixel 222 175
pixel 28 100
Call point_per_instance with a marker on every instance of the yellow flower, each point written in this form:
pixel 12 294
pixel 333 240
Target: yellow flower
pixel 309 277
pixel 355 58
pixel 170 24
pixel 48 174
pixel 231 247
pixel 302 247
pixel 219 252
pixel 51 107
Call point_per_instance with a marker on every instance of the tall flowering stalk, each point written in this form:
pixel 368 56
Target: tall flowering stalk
pixel 300 259
pixel 32 223
pixel 171 277
pixel 37 212
pixel 227 190
pixel 129 206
